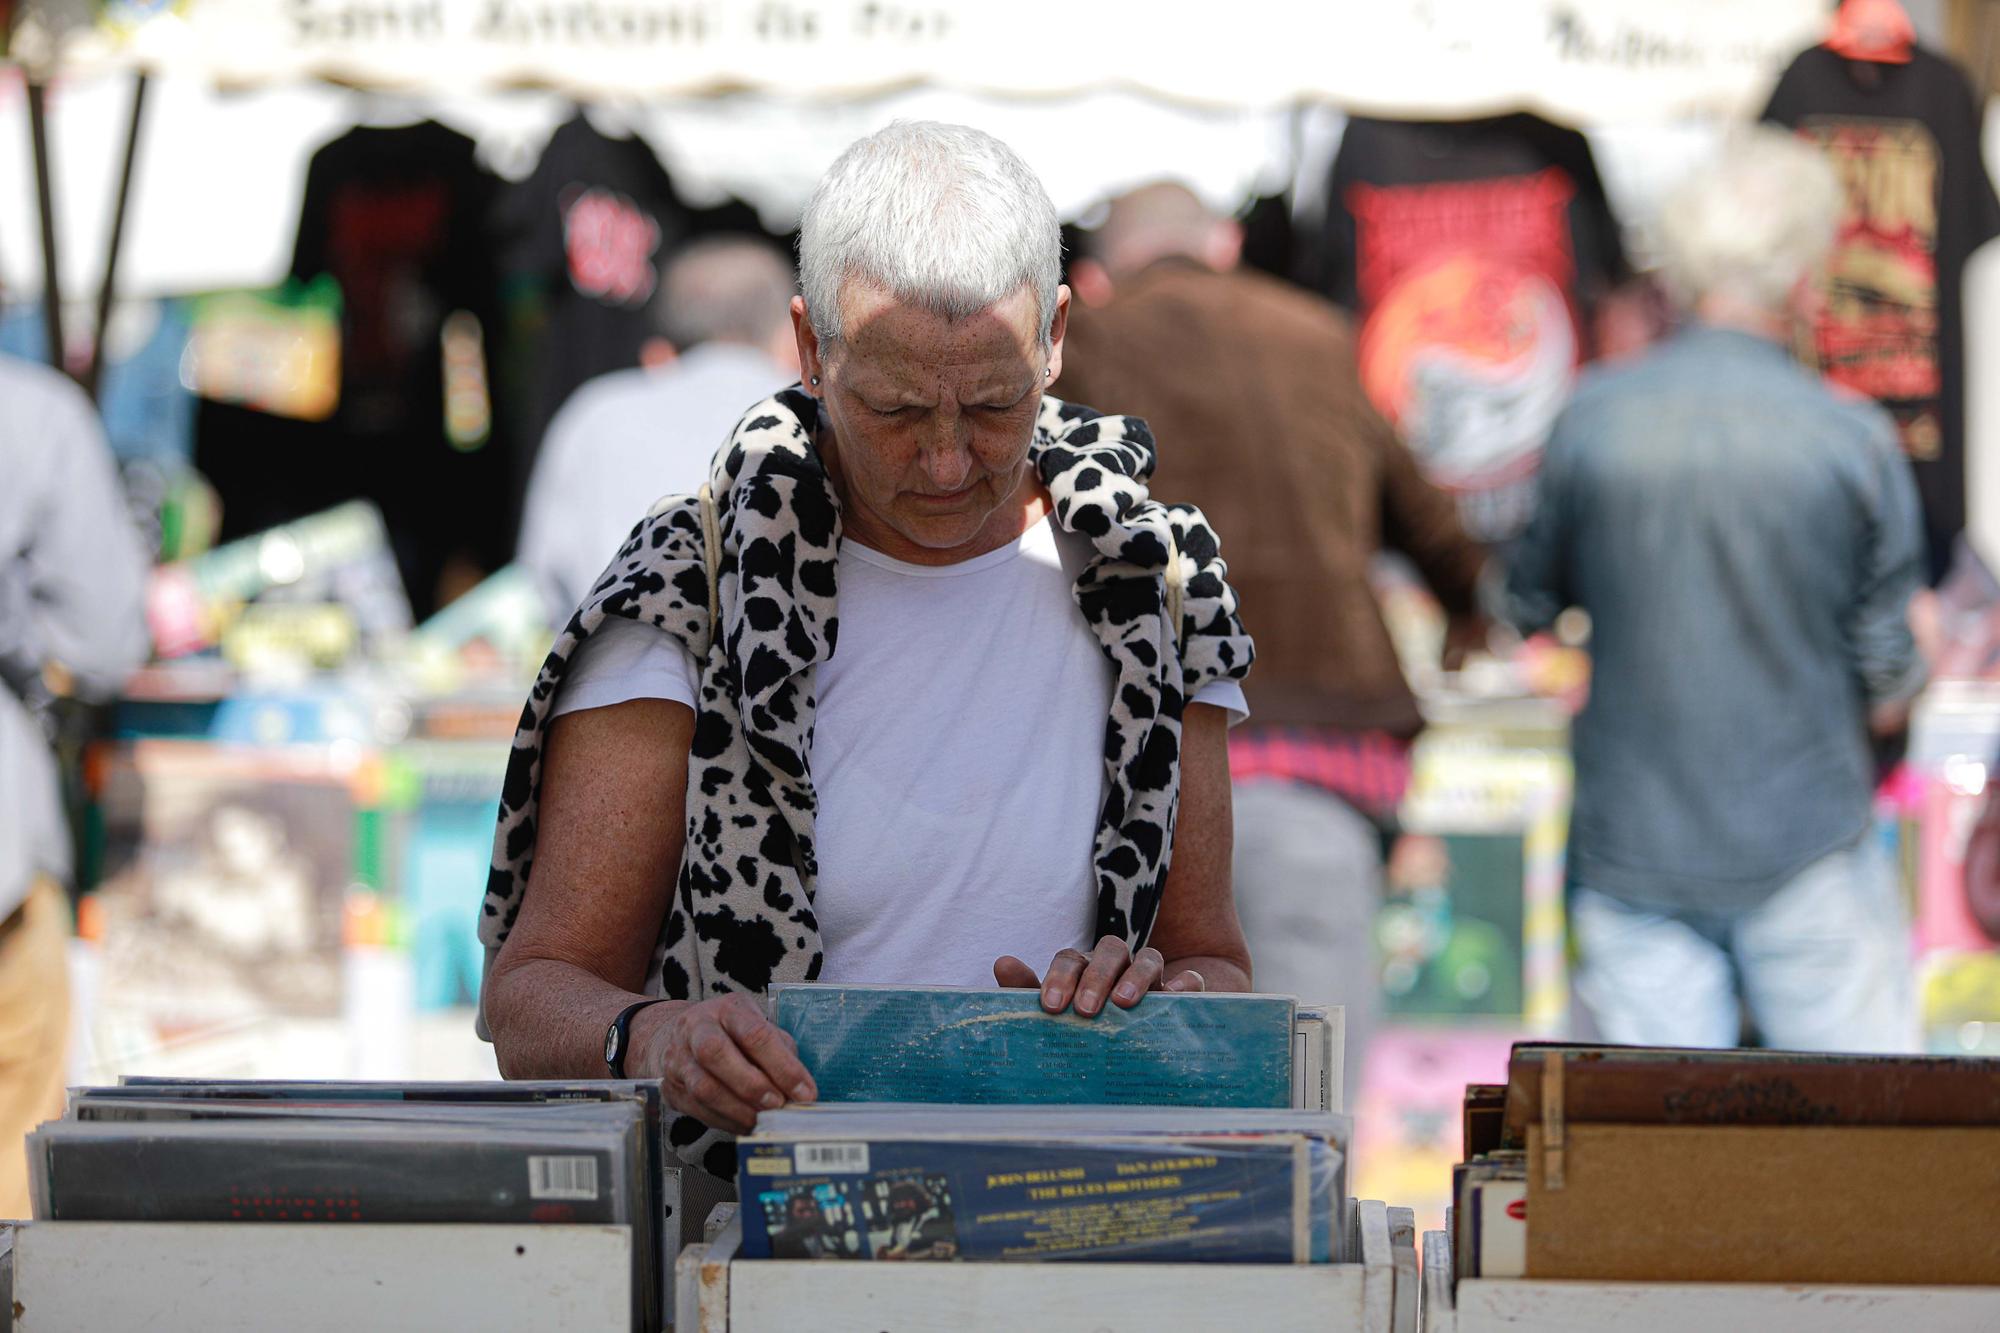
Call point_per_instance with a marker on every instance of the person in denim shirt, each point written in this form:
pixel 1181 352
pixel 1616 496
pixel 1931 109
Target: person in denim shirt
pixel 1747 545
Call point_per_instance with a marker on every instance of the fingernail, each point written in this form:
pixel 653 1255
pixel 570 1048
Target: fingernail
pixel 802 1092
pixel 772 1101
pixel 1128 992
pixel 1087 1001
pixel 1050 1000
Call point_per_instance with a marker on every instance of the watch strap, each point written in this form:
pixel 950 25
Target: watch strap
pixel 619 1036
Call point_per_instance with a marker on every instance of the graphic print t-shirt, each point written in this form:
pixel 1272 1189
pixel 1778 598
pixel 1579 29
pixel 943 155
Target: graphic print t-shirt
pixel 586 236
pixel 1473 253
pixel 1905 142
pixel 397 214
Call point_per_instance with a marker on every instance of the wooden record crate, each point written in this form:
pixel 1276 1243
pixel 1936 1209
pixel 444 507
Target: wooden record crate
pixel 243 1277
pixel 1374 1291
pixel 1508 1305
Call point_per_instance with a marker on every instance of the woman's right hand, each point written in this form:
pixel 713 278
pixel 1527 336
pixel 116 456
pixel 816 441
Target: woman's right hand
pixel 720 1061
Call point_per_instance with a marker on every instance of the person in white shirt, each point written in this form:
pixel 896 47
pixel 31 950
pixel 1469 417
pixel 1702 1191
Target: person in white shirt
pixel 624 439
pixel 72 622
pixel 1003 584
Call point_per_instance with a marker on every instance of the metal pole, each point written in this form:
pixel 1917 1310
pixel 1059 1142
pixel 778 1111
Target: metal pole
pixel 95 370
pixel 38 133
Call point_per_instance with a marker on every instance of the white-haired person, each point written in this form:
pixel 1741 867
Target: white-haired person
pixel 626 438
pixel 922 687
pixel 1747 545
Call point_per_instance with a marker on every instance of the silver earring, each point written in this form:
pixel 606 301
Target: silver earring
pixel 1048 371
pixel 815 381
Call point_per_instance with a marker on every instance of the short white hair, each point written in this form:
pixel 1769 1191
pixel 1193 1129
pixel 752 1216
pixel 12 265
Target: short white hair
pixel 943 217
pixel 1750 225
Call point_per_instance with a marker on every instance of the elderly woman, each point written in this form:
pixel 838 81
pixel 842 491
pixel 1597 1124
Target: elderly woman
pixel 1013 769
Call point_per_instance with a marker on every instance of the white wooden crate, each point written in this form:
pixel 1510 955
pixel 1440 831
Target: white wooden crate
pixel 690 1196
pixel 1491 1306
pixel 719 1294
pixel 222 1277
pixel 1409 1267
pixel 7 1230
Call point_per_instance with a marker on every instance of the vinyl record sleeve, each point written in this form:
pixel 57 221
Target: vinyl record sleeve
pixel 1222 1200
pixel 910 1044
pixel 334 1171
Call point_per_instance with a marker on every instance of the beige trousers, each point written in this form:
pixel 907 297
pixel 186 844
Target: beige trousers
pixel 34 1033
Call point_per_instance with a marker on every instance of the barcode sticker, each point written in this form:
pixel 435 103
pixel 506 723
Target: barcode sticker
pixel 562 1178
pixel 832 1157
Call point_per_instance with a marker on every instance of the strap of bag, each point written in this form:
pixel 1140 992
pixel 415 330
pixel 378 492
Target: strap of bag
pixel 711 559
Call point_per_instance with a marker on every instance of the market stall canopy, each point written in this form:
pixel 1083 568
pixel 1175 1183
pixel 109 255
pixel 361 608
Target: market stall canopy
pixel 202 221
pixel 1581 61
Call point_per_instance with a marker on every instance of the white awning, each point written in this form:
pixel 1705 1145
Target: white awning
pixel 1581 61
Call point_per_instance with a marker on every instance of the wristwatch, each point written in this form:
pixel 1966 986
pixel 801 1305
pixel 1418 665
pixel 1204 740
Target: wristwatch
pixel 619 1034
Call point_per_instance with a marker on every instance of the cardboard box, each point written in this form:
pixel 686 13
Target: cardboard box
pixel 1724 1203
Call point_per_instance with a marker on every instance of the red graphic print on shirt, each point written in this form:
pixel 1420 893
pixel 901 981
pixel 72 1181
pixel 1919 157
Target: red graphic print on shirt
pixel 1877 332
pixel 610 242
pixel 382 240
pixel 1469 342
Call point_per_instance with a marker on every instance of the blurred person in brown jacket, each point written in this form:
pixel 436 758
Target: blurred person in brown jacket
pixel 1250 387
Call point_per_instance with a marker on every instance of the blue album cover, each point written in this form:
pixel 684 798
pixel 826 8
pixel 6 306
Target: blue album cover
pixel 1253 1200
pixel 902 1044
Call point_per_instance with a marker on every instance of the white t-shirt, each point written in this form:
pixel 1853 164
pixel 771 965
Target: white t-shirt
pixel 958 755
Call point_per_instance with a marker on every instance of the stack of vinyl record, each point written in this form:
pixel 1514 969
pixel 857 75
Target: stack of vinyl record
pixel 1164 1133
pixel 347 1154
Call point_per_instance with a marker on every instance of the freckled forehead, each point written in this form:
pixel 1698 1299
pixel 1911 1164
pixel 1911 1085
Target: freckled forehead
pixel 890 341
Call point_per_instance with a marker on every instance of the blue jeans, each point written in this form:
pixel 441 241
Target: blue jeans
pixel 1822 965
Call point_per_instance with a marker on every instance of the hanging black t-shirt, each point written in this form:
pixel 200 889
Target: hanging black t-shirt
pixel 1905 140
pixel 1473 253
pixel 397 215
pixel 585 238
pixel 1270 240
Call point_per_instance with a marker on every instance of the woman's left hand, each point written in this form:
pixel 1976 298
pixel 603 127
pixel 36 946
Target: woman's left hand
pixel 1110 971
